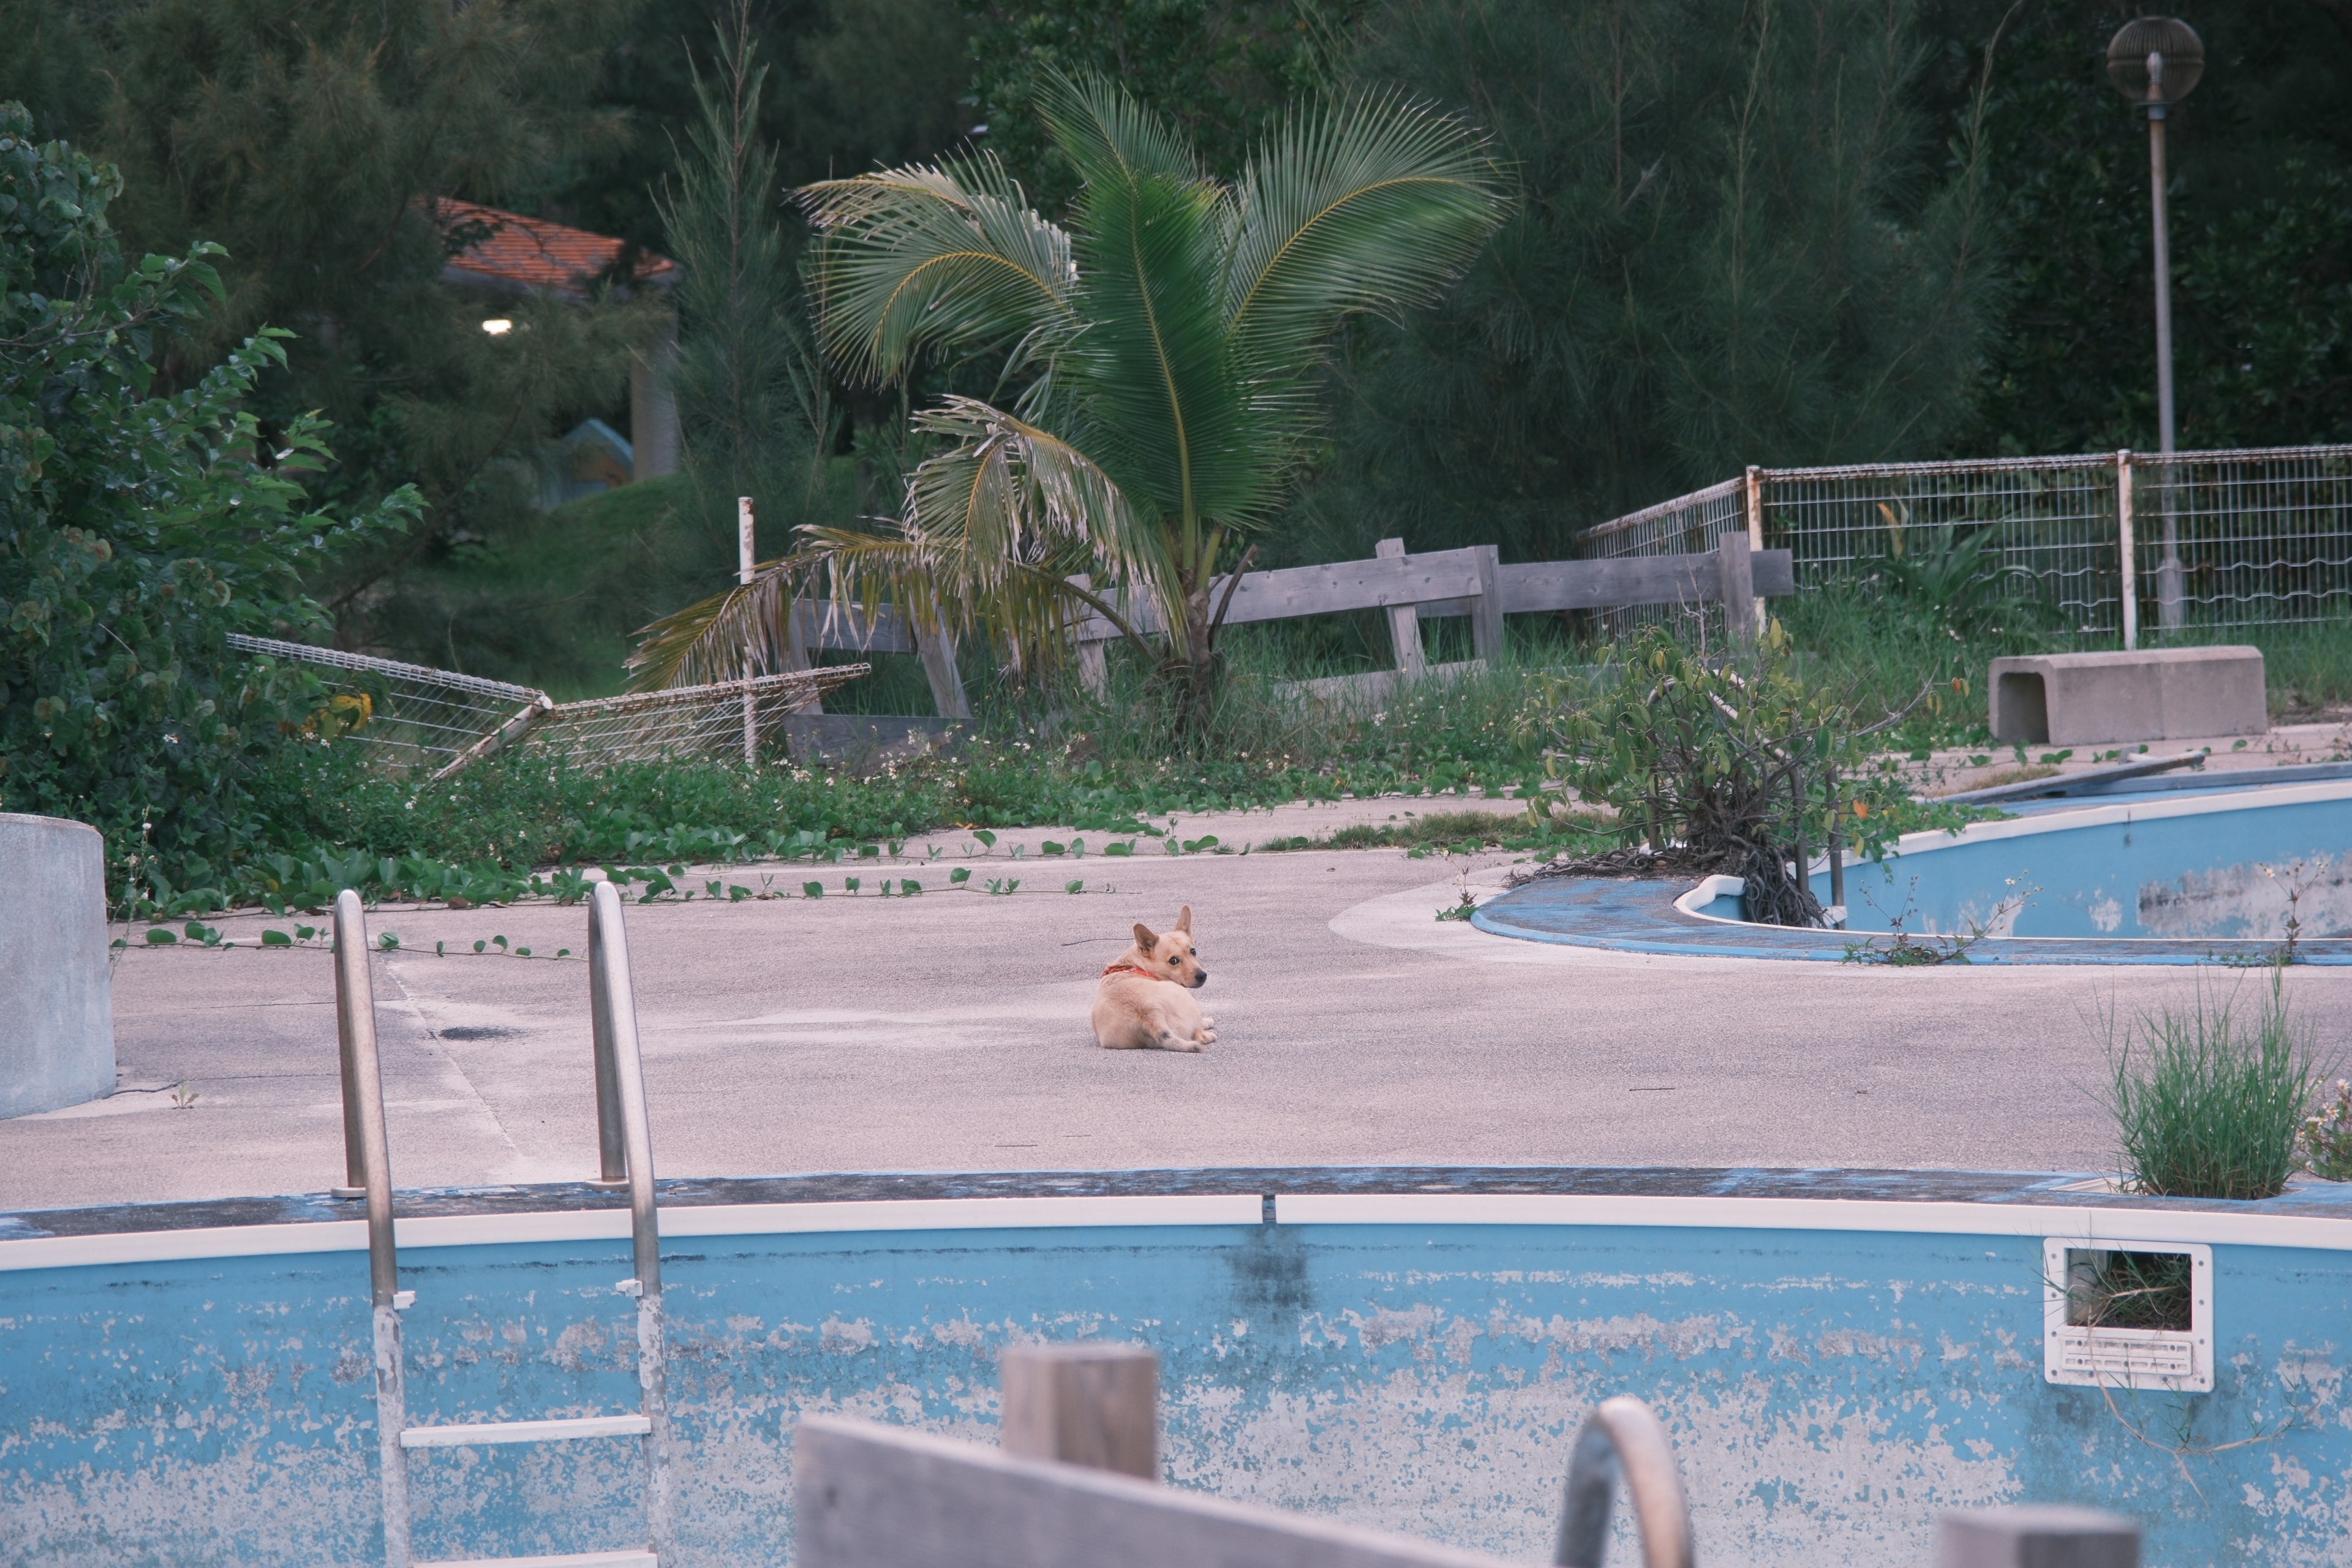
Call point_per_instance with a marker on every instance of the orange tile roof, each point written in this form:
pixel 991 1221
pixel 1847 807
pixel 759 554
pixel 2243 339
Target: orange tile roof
pixel 521 252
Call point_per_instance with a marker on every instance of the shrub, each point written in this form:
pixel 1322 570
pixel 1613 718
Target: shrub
pixel 1734 763
pixel 2207 1104
pixel 138 529
pixel 2325 1140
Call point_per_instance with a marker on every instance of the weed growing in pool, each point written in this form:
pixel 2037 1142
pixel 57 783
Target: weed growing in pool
pixel 2208 1104
pixel 1908 952
pixel 2118 1289
pixel 2325 1141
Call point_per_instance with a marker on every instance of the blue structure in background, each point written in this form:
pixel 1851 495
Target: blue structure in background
pixel 1839 1356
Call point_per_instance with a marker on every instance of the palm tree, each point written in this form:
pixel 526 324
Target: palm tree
pixel 1164 348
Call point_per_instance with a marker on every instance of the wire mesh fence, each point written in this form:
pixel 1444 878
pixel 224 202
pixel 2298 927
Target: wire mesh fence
pixel 410 716
pixel 2218 541
pixel 731 719
pixel 407 715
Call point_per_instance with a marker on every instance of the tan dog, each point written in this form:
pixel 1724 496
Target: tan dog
pixel 1145 996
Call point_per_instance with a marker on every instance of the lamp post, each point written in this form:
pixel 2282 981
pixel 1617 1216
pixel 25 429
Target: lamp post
pixel 2156 62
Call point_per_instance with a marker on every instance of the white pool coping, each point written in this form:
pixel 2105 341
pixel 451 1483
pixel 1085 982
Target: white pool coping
pixel 897 1215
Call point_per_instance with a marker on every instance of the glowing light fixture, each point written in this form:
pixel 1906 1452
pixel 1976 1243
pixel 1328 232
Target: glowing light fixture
pixel 498 326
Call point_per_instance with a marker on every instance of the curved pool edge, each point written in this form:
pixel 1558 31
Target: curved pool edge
pixel 1946 1201
pixel 1840 1355
pixel 1640 916
pixel 1645 916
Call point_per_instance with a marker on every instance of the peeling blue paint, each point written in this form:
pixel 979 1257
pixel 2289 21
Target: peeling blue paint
pixel 1828 1392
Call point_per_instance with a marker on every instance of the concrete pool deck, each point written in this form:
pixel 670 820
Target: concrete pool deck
pixel 948 1032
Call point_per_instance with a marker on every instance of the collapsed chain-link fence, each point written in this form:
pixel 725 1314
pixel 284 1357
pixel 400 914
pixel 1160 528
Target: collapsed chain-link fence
pixel 2218 541
pixel 413 717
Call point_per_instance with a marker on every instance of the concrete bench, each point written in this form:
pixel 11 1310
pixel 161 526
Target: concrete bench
pixel 2161 694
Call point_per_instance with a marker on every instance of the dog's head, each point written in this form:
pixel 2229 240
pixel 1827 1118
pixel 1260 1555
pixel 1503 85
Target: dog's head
pixel 1171 955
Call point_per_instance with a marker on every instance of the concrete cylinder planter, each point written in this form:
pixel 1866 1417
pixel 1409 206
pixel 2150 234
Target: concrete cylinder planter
pixel 56 1009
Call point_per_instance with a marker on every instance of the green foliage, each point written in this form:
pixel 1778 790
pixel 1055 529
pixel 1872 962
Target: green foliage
pixel 1733 764
pixel 1223 70
pixel 855 82
pixel 2207 1103
pixel 1737 243
pixel 138 529
pixel 1948 577
pixel 2261 201
pixel 752 396
pixel 1164 347
pixel 310 139
pixel 2324 1139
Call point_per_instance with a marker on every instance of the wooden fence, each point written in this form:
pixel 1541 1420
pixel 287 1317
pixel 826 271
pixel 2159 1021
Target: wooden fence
pixel 1471 582
pixel 1075 1486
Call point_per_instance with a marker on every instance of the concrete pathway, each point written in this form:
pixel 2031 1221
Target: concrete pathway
pixel 948 1032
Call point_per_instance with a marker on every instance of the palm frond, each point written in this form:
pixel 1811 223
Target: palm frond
pixel 1153 373
pixel 1009 504
pixel 1110 137
pixel 726 636
pixel 932 258
pixel 1368 204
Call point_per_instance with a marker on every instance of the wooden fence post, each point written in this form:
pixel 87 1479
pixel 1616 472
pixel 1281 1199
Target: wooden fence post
pixel 1486 609
pixel 2036 1536
pixel 1092 1404
pixel 1404 621
pixel 938 651
pixel 1094 658
pixel 1737 586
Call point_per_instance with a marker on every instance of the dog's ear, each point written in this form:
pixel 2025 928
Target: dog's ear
pixel 1184 920
pixel 1144 939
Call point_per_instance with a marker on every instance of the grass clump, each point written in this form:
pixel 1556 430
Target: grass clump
pixel 2126 1289
pixel 2208 1102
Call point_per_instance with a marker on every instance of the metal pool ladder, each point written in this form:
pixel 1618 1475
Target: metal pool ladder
pixel 627 1160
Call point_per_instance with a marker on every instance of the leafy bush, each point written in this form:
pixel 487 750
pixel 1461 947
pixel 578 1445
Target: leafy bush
pixel 139 527
pixel 1736 765
pixel 2325 1139
pixel 2208 1107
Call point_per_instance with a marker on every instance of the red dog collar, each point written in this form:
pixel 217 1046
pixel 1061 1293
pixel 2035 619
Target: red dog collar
pixel 1131 969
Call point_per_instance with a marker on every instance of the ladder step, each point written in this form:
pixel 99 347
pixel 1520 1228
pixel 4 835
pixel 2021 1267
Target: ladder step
pixel 557 1431
pixel 633 1558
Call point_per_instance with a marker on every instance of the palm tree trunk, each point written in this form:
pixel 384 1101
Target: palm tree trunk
pixel 1199 654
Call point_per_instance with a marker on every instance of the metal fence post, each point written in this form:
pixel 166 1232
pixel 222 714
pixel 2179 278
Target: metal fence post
pixel 744 552
pixel 1755 540
pixel 2127 549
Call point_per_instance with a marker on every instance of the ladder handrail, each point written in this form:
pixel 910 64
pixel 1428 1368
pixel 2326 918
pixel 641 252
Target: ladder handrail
pixel 367 1158
pixel 621 1124
pixel 367 1164
pixel 1624 1439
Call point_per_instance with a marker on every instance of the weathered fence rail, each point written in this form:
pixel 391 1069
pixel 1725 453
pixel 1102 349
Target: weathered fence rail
pixel 1472 582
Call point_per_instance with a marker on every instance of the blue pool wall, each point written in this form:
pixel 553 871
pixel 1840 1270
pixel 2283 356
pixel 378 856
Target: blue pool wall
pixel 1829 1390
pixel 2213 868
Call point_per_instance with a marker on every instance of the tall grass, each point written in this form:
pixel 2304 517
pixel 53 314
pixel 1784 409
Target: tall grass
pixel 2208 1102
